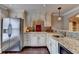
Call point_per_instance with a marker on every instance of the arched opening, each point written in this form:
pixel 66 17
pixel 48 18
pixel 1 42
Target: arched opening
pixel 74 23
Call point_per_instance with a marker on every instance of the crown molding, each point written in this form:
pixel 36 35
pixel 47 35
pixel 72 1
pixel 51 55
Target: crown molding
pixel 71 11
pixel 3 7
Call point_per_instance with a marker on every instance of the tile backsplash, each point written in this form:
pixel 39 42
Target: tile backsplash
pixel 73 34
pixel 68 34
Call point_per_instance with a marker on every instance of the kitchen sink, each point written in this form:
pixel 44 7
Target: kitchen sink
pixel 58 36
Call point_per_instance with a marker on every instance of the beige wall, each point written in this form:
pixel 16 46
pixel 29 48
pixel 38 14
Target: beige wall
pixel 55 23
pixel 29 17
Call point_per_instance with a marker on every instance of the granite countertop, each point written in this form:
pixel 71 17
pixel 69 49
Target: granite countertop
pixel 70 43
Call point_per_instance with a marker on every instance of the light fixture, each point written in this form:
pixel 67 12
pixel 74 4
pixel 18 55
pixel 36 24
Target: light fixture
pixel 59 17
pixel 45 12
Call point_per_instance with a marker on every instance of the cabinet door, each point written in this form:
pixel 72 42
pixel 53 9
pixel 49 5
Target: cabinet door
pixel 49 43
pixel 54 46
pixel 42 40
pixel 26 40
pixel 33 39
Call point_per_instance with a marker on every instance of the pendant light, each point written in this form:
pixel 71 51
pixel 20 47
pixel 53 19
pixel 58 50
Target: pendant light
pixel 59 17
pixel 45 12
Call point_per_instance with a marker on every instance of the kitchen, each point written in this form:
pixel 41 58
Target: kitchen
pixel 53 27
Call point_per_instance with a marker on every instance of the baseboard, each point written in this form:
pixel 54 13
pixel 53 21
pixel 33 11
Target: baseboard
pixel 11 51
pixel 34 47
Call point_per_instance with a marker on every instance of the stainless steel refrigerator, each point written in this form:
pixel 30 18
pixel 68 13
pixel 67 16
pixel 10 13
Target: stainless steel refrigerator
pixel 0 36
pixel 12 29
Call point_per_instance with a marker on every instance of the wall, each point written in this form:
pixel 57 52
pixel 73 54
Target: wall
pixel 31 16
pixel 74 35
pixel 55 23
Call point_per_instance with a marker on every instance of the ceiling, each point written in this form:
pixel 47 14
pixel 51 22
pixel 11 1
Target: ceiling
pixel 52 8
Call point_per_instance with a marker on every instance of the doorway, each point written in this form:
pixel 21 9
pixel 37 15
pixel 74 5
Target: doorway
pixel 74 23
